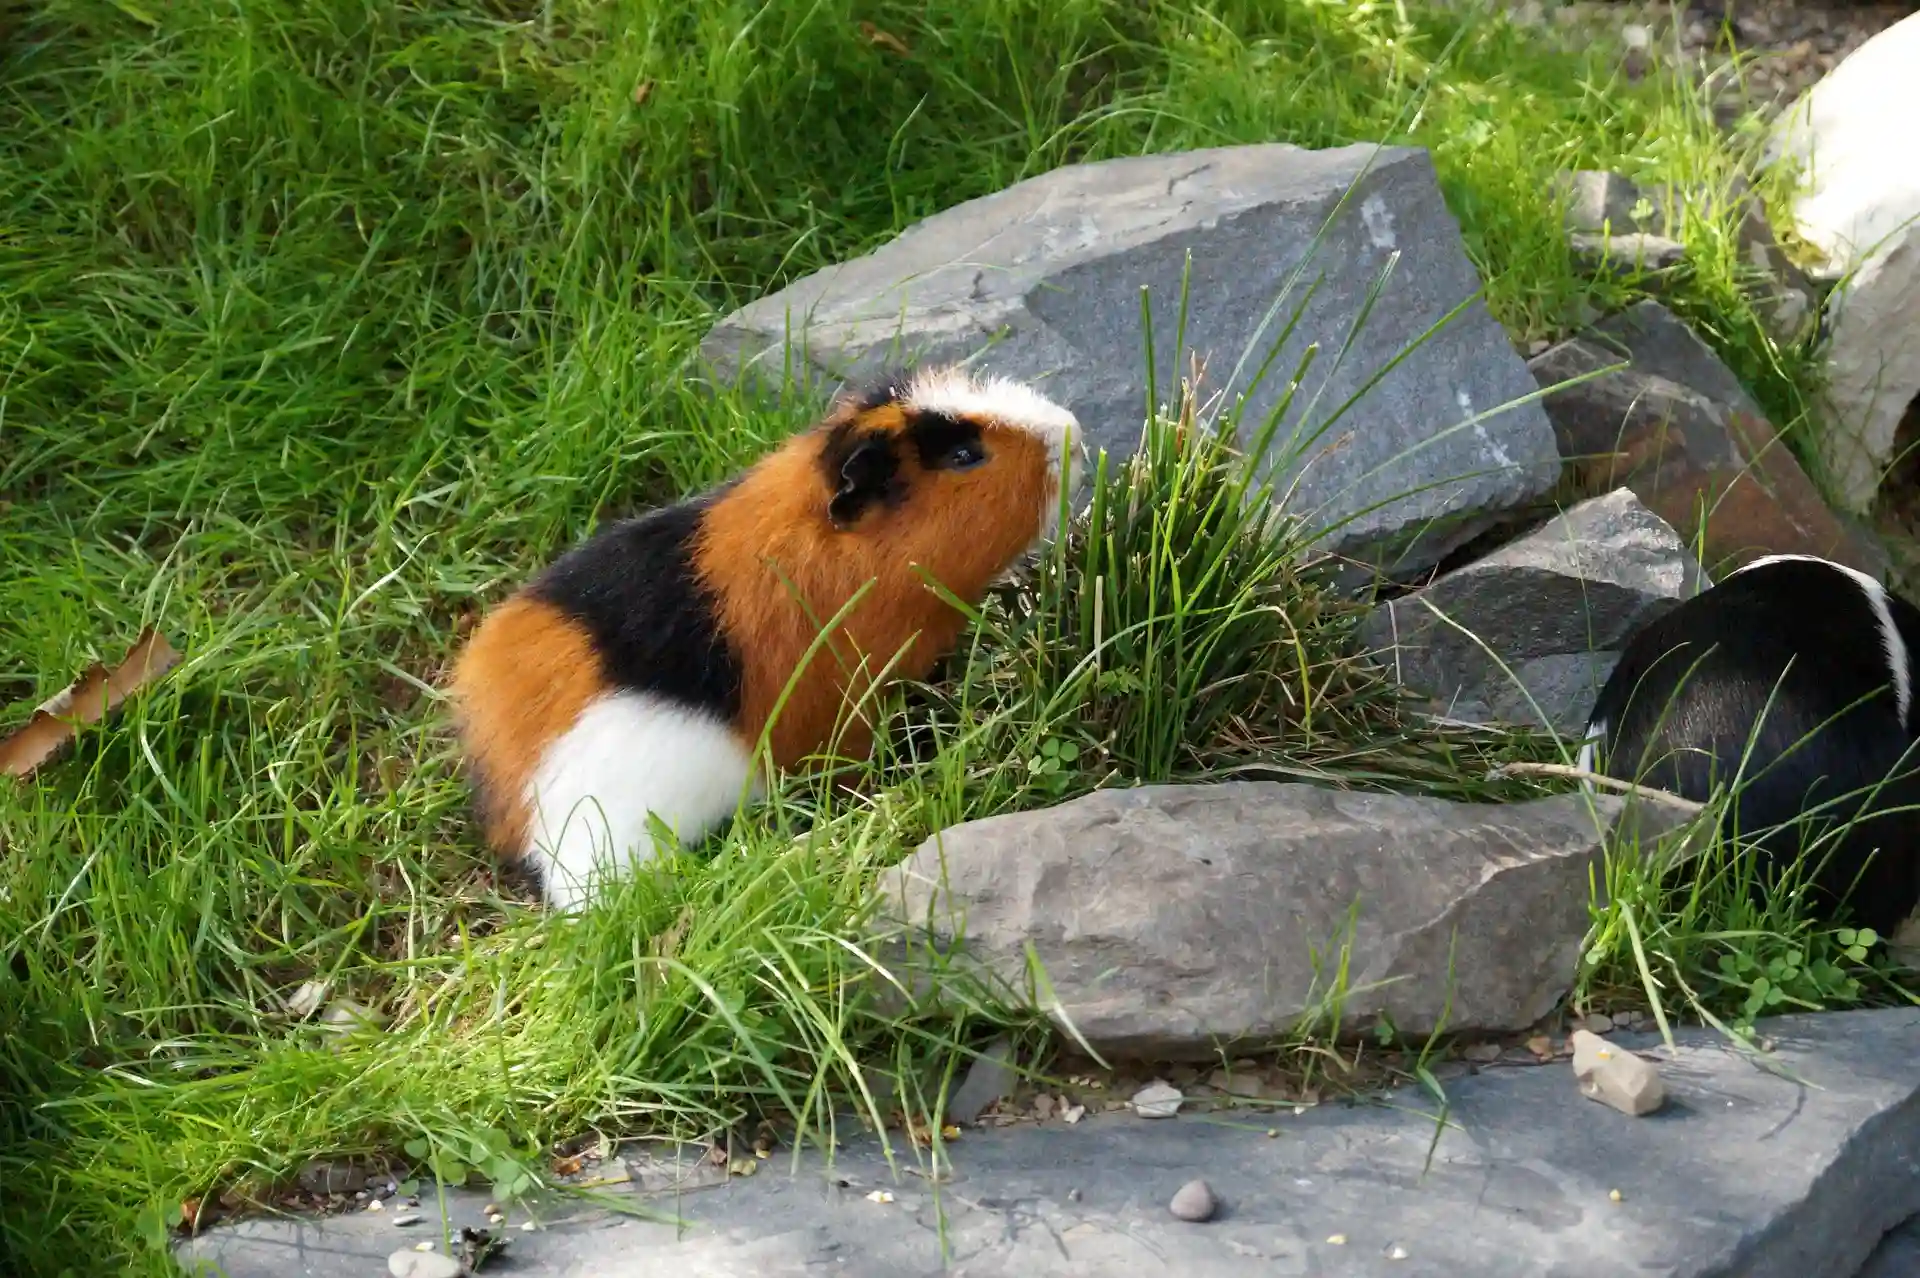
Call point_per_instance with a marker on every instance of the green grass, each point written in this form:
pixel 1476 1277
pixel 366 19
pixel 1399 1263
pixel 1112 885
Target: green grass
pixel 323 323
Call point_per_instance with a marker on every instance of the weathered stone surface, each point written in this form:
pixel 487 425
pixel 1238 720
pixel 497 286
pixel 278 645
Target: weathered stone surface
pixel 1171 920
pixel 1675 426
pixel 1614 225
pixel 1049 272
pixel 1789 301
pixel 1853 140
pixel 408 1263
pixel 1530 633
pixel 1897 1256
pixel 990 1077
pixel 1745 1173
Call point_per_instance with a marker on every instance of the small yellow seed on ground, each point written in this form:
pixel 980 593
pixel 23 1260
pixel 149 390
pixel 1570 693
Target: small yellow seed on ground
pixel 1338 1240
pixel 1614 1194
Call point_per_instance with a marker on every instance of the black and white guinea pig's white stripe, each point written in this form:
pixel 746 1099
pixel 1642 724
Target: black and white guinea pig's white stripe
pixel 1794 679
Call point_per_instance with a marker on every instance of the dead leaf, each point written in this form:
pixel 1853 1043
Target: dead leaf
pixel 569 1166
pixel 1541 1046
pixel 885 39
pixel 96 694
pixel 641 92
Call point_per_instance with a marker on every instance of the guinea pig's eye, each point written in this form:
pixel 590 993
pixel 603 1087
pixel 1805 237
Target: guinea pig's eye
pixel 965 456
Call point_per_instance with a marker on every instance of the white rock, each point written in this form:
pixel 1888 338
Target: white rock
pixel 1853 137
pixel 424 1264
pixel 1615 1076
pixel 1158 1100
pixel 1194 1201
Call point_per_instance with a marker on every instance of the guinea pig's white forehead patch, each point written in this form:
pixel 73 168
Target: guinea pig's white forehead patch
pixel 955 393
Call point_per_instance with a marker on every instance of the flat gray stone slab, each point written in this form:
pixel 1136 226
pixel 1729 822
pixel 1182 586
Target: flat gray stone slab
pixel 1744 1174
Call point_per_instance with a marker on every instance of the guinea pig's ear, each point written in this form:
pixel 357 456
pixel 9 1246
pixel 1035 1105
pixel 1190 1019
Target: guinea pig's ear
pixel 867 473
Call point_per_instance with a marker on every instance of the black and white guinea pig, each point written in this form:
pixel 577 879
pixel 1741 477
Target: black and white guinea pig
pixel 1832 651
pixel 636 674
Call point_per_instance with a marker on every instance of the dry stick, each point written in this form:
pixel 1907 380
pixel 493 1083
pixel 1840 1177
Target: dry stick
pixel 1593 778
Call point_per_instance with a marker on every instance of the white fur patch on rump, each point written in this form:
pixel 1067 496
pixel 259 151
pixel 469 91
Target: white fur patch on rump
pixel 956 392
pixel 1899 662
pixel 629 753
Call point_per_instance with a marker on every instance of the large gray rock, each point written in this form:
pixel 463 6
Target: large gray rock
pixel 1675 426
pixel 1171 919
pixel 1852 138
pixel 1744 1174
pixel 1529 634
pixel 1049 271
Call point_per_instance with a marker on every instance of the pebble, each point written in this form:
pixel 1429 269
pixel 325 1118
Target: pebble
pixel 1599 1023
pixel 424 1264
pixel 407 1218
pixel 1616 1077
pixel 1157 1100
pixel 1194 1201
pixel 1483 1053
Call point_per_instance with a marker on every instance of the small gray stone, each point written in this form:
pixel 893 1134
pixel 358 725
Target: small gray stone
pixel 1603 203
pixel 1552 608
pixel 1194 1201
pixel 424 1264
pixel 1625 255
pixel 1615 225
pixel 407 1218
pixel 990 1077
pixel 1043 281
pixel 1157 1100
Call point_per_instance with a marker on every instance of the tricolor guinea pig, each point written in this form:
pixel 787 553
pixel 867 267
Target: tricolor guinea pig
pixel 637 674
pixel 1791 680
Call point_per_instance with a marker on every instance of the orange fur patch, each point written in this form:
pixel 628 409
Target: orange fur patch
pixel 962 528
pixel 522 681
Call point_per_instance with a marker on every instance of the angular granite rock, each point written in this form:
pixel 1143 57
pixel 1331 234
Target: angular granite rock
pixel 1675 426
pixel 1745 1173
pixel 1044 280
pixel 1852 138
pixel 1171 920
pixel 1529 634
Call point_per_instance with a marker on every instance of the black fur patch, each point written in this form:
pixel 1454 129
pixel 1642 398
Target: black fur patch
pixel 1799 643
pixel 633 586
pixel 944 442
pixel 862 470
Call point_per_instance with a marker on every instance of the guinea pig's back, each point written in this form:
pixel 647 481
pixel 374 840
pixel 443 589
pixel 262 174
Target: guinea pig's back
pixel 1727 682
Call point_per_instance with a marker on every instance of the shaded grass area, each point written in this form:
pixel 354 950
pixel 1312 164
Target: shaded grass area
pixel 322 323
